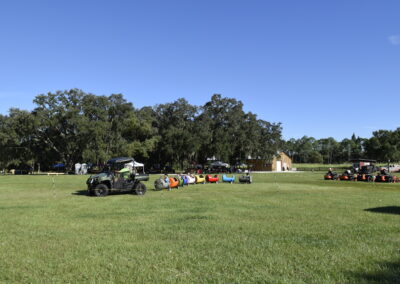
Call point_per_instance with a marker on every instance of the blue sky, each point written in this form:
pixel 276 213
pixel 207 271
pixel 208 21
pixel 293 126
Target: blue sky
pixel 321 68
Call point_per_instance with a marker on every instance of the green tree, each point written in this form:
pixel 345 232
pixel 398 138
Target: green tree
pixel 74 126
pixel 177 129
pixel 384 145
pixel 224 117
pixel 329 150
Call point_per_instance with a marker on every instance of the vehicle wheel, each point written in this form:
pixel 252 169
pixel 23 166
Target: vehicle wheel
pixel 140 189
pixel 101 190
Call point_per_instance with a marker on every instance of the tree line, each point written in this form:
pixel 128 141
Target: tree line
pixel 73 126
pixel 383 146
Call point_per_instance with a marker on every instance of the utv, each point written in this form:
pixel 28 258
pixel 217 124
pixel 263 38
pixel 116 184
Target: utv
pixel 118 176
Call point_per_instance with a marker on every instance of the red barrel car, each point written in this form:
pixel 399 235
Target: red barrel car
pixel 212 178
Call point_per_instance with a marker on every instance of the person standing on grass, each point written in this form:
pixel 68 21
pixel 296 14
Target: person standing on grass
pixel 166 179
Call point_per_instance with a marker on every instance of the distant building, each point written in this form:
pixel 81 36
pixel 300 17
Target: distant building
pixel 281 162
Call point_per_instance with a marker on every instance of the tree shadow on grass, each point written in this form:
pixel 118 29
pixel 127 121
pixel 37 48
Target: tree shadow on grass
pixel 389 273
pixel 386 210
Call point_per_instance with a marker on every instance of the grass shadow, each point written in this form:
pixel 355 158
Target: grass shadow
pixel 386 210
pixel 84 192
pixel 81 192
pixel 389 273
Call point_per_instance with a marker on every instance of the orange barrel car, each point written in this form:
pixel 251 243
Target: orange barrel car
pixel 173 182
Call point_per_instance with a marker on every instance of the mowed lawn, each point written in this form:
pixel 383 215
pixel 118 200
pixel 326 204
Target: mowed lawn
pixel 283 228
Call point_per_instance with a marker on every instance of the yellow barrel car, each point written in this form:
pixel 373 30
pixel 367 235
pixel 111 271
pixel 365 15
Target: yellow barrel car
pixel 200 179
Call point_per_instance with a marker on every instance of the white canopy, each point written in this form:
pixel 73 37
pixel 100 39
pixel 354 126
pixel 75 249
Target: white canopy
pixel 219 164
pixel 134 164
pixel 137 164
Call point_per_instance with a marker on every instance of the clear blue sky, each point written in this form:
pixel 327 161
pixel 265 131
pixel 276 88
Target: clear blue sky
pixel 322 68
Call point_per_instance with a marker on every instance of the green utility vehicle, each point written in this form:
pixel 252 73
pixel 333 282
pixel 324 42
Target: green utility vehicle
pixel 118 176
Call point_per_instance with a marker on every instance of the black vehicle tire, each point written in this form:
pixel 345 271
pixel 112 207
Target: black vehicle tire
pixel 140 189
pixel 101 190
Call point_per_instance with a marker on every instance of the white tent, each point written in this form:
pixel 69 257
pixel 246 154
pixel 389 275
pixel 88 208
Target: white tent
pixel 84 169
pixel 78 168
pixel 137 164
pixel 134 164
pixel 81 169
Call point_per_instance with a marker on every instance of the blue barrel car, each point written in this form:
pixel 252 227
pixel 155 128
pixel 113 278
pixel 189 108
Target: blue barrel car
pixel 231 179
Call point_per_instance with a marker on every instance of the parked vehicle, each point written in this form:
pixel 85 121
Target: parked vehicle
pixel 191 179
pixel 330 175
pixel 115 177
pixel 219 167
pixel 231 179
pixel 200 178
pixel 173 182
pixel 347 175
pixel 392 168
pixel 161 183
pixel 183 180
pixel 212 178
pixel 366 173
pixel 246 179
pixel 383 176
pixel 365 177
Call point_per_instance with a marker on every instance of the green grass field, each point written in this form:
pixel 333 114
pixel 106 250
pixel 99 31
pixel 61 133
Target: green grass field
pixel 298 165
pixel 283 228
